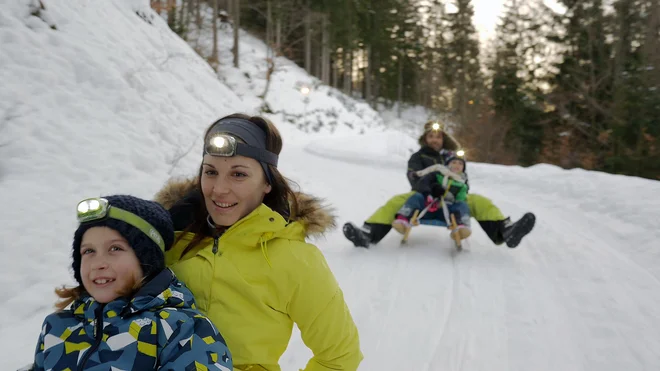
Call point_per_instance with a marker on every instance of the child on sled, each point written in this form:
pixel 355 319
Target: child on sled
pixel 438 184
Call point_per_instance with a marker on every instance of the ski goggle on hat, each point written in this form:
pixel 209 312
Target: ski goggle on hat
pixel 223 138
pixel 96 209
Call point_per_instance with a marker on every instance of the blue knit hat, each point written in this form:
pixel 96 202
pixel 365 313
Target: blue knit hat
pixel 453 157
pixel 149 254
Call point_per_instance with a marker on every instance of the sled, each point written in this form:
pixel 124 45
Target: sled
pixel 416 220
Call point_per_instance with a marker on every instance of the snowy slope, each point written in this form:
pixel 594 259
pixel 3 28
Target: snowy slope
pixel 110 103
pixel 328 111
pixel 105 102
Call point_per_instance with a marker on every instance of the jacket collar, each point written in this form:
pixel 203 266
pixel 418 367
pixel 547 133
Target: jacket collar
pixel 164 290
pixel 426 150
pixel 262 225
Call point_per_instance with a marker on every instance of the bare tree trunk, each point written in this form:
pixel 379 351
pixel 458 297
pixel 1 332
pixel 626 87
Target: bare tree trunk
pixel 335 72
pixel 358 72
pixel 652 42
pixel 237 24
pixel 367 75
pixel 198 13
pixel 214 52
pixel 399 93
pixel 621 51
pixel 182 18
pixel 325 51
pixel 269 25
pixel 171 14
pixel 347 72
pixel 462 107
pixel 308 41
pixel 270 54
pixel 376 82
pixel 278 30
pixel 318 61
pixel 191 10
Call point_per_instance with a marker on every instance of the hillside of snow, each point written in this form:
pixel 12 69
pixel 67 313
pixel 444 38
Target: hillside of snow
pixel 323 110
pixel 100 97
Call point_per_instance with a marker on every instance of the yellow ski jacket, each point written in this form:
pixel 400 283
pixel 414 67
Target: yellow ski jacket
pixel 261 280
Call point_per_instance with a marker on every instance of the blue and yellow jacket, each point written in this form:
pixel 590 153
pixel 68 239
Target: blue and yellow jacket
pixel 159 328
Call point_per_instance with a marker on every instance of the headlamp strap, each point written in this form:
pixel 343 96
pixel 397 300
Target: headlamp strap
pixel 258 154
pixel 137 222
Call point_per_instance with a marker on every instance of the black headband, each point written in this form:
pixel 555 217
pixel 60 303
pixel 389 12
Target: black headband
pixel 254 139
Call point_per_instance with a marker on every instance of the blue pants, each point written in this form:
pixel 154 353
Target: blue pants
pixel 417 202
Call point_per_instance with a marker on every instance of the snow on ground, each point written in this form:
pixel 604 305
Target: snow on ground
pixel 580 293
pixel 110 103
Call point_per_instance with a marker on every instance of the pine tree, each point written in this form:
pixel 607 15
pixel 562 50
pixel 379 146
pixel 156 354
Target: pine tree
pixel 461 62
pixel 583 85
pixel 514 81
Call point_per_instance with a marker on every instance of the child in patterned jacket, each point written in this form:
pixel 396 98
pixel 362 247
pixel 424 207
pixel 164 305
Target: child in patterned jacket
pixel 129 312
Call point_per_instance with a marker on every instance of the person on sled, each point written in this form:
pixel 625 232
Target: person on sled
pixel 438 185
pixel 436 147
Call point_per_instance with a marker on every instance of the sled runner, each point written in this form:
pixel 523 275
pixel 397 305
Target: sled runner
pixel 417 220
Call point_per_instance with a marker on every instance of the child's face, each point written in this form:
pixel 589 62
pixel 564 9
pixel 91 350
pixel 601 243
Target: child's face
pixel 109 265
pixel 456 166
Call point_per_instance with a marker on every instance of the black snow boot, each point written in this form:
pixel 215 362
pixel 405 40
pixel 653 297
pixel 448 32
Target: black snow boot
pixel 514 232
pixel 358 236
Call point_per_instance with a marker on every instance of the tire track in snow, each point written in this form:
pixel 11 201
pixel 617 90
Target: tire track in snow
pixel 450 308
pixel 392 297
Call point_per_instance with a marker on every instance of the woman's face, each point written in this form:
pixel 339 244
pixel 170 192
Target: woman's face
pixel 434 140
pixel 233 187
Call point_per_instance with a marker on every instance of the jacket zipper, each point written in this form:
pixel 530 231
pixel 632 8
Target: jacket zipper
pixel 98 336
pixel 215 245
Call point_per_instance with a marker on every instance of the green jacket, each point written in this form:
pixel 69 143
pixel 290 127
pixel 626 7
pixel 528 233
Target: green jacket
pixel 454 185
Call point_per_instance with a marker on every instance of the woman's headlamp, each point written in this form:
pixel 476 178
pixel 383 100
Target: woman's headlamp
pixel 224 145
pixel 95 209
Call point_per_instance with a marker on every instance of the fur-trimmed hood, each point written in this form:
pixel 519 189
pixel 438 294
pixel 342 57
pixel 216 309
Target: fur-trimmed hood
pixel 315 217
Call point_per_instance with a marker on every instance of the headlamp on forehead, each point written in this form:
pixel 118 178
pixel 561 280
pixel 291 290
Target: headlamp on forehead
pixel 436 126
pixel 96 209
pixel 224 145
pixel 220 145
pixel 460 153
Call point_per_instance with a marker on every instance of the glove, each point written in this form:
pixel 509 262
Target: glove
pixel 437 190
pixel 432 206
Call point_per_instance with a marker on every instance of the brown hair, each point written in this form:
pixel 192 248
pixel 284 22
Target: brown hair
pixel 281 198
pixel 68 295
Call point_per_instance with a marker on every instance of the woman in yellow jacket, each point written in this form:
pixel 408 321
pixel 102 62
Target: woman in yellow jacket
pixel 241 250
